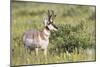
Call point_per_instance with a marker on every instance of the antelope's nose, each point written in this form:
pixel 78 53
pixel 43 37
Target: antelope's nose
pixel 56 28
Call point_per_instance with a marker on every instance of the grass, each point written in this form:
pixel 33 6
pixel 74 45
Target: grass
pixel 76 28
pixel 23 58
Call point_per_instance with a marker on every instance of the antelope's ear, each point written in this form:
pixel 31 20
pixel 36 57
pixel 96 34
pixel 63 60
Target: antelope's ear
pixel 45 20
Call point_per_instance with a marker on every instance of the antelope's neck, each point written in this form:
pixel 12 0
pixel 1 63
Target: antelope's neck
pixel 46 33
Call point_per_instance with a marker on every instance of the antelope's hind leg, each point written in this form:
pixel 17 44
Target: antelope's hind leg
pixel 37 56
pixel 45 53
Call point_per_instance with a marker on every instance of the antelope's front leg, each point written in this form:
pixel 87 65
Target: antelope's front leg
pixel 45 52
pixel 45 55
pixel 36 50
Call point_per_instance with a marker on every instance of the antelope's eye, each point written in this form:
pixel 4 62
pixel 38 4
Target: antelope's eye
pixel 55 15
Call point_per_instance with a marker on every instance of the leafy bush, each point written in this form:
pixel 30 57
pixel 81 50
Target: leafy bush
pixel 68 38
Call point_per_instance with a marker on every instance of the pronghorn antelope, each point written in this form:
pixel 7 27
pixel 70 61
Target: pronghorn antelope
pixel 35 39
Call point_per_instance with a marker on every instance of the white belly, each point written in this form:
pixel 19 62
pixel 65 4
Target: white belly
pixel 44 44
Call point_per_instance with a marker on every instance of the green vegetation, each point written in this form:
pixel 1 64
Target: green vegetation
pixel 73 42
